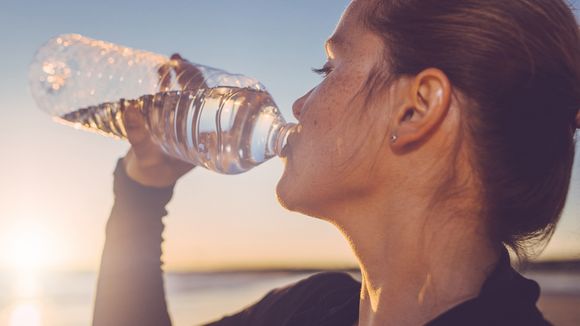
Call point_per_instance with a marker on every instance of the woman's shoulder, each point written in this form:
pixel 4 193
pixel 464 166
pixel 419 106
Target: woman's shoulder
pixel 317 291
pixel 506 298
pixel 329 298
pixel 321 281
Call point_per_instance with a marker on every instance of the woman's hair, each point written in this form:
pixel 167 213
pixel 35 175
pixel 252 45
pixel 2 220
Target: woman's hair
pixel 517 62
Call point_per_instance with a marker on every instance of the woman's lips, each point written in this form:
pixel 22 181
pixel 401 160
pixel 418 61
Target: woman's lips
pixel 284 152
pixel 287 148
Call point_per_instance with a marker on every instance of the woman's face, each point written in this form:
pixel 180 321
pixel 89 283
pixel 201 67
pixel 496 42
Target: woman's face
pixel 333 158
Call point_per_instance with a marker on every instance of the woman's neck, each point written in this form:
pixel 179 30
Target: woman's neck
pixel 419 264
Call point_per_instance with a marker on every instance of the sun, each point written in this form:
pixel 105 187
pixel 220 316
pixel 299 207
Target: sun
pixel 29 246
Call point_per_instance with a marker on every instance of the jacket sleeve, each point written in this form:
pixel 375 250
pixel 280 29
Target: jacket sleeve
pixel 130 288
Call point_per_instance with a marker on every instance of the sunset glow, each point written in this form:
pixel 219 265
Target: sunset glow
pixel 29 247
pixel 26 314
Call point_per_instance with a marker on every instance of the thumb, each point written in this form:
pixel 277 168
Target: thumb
pixel 134 122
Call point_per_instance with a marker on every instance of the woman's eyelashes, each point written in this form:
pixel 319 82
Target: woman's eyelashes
pixel 324 71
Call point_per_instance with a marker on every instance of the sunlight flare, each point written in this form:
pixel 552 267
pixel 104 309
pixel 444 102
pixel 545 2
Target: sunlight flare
pixel 30 246
pixel 26 314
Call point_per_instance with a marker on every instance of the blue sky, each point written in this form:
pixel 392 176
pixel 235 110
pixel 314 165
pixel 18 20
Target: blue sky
pixel 59 179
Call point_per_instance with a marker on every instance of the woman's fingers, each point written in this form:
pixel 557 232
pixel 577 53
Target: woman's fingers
pixel 165 73
pixel 142 144
pixel 188 76
pixel 180 72
pixel 135 125
pixel 146 162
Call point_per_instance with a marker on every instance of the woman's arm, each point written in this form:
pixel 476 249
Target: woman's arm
pixel 130 286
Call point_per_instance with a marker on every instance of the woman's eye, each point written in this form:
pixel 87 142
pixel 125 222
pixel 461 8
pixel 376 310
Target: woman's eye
pixel 324 71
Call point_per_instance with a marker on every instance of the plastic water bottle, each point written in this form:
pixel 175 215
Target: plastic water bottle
pixel 225 122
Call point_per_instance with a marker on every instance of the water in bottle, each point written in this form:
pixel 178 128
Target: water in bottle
pixel 225 129
pixel 225 122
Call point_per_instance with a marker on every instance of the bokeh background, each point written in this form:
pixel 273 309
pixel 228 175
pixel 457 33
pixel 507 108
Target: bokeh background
pixel 56 182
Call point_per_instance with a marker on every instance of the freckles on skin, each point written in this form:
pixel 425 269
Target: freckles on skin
pixel 330 126
pixel 331 156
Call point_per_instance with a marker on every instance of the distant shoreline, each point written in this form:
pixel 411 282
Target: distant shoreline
pixel 572 266
pixel 542 266
pixel 275 270
pixel 551 266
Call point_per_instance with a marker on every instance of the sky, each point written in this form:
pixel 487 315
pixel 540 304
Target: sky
pixel 56 188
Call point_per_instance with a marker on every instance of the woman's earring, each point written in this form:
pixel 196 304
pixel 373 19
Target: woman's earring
pixel 394 138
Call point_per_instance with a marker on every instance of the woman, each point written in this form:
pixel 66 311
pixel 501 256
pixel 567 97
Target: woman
pixel 442 133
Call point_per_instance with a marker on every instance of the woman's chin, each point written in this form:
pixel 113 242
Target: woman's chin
pixel 291 193
pixel 284 193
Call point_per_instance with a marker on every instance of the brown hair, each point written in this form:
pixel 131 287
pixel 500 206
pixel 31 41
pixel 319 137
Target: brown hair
pixel 518 64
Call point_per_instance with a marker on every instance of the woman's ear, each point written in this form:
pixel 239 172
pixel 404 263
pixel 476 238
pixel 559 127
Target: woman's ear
pixel 426 105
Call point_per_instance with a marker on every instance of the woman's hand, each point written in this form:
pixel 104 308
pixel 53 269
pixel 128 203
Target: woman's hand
pixel 146 162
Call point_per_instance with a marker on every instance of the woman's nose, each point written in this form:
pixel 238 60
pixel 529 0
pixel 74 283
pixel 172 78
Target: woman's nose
pixel 299 105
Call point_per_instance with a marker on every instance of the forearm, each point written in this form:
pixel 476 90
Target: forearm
pixel 130 288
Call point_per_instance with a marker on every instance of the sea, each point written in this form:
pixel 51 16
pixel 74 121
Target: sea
pixel 66 299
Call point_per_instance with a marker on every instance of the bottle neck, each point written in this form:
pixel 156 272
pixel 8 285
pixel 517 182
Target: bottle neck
pixel 279 138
